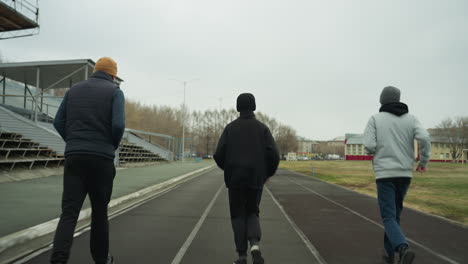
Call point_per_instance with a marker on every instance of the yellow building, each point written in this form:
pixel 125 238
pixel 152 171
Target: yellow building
pixel 354 147
pixel 440 149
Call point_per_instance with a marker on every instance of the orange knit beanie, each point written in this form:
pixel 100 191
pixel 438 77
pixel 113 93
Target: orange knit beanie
pixel 107 65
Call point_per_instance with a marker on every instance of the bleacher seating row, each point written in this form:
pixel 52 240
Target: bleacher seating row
pixel 132 153
pixel 16 150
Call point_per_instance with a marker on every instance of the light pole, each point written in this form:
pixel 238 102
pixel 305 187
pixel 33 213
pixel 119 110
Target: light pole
pixel 183 109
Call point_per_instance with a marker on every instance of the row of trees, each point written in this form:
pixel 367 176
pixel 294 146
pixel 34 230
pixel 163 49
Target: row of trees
pixel 203 128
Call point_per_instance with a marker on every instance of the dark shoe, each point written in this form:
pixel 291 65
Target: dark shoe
pixel 389 259
pixel 257 255
pixel 406 256
pixel 241 261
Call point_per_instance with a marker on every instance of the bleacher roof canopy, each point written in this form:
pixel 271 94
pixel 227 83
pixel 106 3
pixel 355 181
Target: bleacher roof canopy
pixel 52 74
pixel 13 16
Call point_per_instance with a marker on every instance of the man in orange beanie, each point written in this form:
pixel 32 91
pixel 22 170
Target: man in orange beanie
pixel 91 120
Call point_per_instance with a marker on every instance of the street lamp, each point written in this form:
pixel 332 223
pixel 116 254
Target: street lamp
pixel 183 106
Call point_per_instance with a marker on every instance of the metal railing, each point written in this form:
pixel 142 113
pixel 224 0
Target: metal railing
pixel 42 106
pixel 25 7
pixel 130 137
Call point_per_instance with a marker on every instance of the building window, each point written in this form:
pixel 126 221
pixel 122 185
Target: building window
pixel 447 156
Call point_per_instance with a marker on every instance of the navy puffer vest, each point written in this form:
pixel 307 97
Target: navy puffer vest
pixel 89 117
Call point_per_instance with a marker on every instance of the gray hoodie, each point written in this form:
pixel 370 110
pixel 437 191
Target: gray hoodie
pixel 391 139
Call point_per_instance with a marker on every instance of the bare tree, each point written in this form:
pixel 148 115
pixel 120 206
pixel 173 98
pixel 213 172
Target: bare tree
pixel 455 132
pixel 286 139
pixel 203 128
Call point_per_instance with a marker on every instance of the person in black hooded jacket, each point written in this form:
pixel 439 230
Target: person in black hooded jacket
pixel 248 155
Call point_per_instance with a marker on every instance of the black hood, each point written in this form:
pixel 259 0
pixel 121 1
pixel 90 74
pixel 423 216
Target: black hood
pixel 397 109
pixel 246 102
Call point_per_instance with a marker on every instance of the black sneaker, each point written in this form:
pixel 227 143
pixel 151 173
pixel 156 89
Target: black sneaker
pixel 389 259
pixel 257 255
pixel 406 256
pixel 241 261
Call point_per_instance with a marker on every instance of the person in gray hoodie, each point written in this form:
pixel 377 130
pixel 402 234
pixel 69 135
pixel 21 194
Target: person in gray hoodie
pixel 390 136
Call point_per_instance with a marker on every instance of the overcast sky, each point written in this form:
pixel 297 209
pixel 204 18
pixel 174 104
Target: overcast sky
pixel 318 66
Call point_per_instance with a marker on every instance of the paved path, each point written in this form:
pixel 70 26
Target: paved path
pixel 190 224
pixel 27 203
pixel 345 226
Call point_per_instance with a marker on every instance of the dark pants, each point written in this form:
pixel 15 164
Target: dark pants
pixel 391 194
pixel 85 174
pixel 244 207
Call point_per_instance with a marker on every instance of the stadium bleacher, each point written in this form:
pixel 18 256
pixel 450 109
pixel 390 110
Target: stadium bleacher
pixel 132 153
pixel 33 144
pixel 27 111
pixel 17 150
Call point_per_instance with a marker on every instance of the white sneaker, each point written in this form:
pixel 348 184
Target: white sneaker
pixel 110 259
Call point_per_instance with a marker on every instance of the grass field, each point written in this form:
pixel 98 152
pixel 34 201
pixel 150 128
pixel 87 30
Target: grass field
pixel 442 190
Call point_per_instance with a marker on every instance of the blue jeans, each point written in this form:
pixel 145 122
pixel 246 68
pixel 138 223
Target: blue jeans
pixel 391 194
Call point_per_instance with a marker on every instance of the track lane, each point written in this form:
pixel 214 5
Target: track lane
pixel 345 225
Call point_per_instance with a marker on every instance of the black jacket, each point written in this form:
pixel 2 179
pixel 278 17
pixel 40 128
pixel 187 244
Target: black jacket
pixel 247 153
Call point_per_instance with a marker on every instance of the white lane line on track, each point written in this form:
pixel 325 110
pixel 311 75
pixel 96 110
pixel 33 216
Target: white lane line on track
pixel 47 228
pixel 304 238
pixel 178 258
pixel 42 250
pixel 445 258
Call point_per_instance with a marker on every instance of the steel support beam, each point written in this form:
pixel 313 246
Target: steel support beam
pixel 38 79
pixel 25 94
pixel 67 76
pixel 4 89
